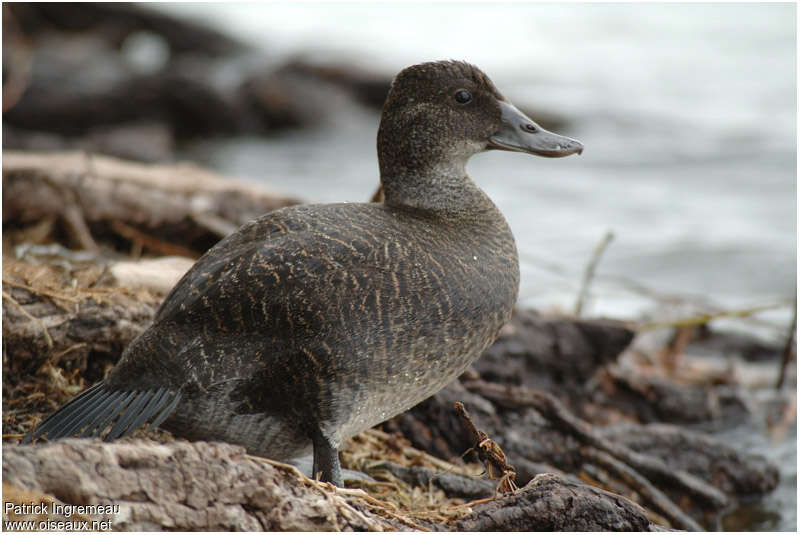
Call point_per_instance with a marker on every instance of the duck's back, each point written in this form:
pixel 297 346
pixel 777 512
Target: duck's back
pixel 342 315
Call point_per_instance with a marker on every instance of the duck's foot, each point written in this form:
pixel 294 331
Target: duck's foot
pixel 326 460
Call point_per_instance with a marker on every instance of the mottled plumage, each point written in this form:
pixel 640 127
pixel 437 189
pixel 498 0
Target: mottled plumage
pixel 315 322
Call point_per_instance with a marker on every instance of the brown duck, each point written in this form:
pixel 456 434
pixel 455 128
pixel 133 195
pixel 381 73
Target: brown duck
pixel 315 322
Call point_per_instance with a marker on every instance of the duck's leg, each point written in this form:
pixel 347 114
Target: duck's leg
pixel 326 460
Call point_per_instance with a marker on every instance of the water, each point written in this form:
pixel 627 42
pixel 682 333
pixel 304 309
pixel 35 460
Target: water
pixel 687 113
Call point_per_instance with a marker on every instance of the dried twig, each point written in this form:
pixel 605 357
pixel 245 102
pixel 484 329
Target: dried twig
pixel 588 274
pixel 57 357
pixel 385 509
pixel 160 246
pixel 78 228
pixel 42 291
pixel 670 355
pixel 34 319
pixel 790 349
pixel 490 453
pixel 702 319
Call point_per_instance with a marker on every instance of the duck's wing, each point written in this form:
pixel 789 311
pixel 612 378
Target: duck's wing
pixel 208 269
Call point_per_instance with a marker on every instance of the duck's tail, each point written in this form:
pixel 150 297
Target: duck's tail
pixel 93 411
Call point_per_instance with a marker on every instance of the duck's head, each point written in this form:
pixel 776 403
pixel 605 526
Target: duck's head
pixel 439 114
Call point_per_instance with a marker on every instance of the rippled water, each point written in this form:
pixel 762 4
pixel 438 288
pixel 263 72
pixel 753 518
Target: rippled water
pixel 687 112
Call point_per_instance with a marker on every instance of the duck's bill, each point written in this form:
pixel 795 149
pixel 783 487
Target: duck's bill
pixel 519 133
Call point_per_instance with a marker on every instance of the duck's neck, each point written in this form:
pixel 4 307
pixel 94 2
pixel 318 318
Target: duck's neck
pixel 421 171
pixel 442 189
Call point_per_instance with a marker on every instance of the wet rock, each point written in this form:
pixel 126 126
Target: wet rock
pixel 280 100
pixel 76 68
pixel 190 106
pixel 115 22
pixel 298 95
pixel 151 142
pixel 368 87
pixel 730 344
pixel 656 399
pixel 646 397
pixel 551 503
pixel 728 469
pixel 551 353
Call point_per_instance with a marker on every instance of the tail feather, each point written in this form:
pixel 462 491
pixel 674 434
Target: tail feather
pixel 166 412
pixel 115 408
pixel 69 424
pixel 102 415
pixel 156 403
pixel 64 413
pixel 133 410
pixel 98 408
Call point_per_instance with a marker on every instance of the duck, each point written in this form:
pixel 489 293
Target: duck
pixel 315 322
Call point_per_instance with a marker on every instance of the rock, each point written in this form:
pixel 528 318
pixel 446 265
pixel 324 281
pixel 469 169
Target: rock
pixel 115 22
pixel 295 95
pixel 368 87
pixel 185 486
pixel 731 344
pixel 84 70
pixel 551 353
pixel 647 397
pixel 142 142
pixel 182 486
pixel 734 472
pixel 551 503
pixel 190 106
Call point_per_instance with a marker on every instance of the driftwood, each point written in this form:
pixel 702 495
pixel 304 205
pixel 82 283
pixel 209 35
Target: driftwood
pixel 92 195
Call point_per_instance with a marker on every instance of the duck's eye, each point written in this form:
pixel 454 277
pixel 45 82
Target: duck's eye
pixel 462 96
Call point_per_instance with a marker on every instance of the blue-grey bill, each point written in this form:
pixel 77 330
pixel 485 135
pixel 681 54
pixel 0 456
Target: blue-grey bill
pixel 519 133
